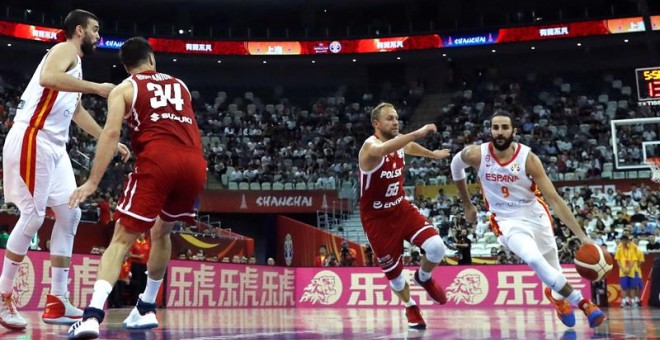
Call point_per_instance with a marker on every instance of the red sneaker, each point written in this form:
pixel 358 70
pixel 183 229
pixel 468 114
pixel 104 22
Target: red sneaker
pixel 60 311
pixel 436 292
pixel 415 319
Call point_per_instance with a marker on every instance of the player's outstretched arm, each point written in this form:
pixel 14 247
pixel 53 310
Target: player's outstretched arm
pixel 414 149
pixel 469 157
pixel 559 207
pixel 377 150
pixel 106 144
pixel 53 74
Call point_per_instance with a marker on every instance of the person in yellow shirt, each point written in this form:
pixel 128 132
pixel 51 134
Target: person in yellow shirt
pixel 639 283
pixel 630 276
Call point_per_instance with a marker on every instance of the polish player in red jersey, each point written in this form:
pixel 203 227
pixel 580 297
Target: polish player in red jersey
pixel 387 217
pixel 169 175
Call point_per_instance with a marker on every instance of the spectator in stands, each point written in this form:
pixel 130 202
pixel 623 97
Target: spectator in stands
pixel 270 261
pixel 225 259
pixel 252 260
pixel 321 259
pixel 4 236
pixel 653 245
pixel 464 245
pixel 236 259
pixel 347 255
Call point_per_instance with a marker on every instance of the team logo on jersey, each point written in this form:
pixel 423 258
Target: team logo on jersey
pixel 515 167
pixel 400 153
pixel 487 158
pixel 155 117
pixel 67 113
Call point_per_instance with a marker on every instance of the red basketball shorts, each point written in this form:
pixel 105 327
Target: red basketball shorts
pixel 166 182
pixel 386 231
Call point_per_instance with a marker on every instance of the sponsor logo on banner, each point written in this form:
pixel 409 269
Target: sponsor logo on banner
pixel 325 288
pixel 285 201
pixel 335 47
pixel 471 40
pixel 288 249
pixel 470 287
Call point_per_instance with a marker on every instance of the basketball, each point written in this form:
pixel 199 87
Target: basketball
pixel 592 263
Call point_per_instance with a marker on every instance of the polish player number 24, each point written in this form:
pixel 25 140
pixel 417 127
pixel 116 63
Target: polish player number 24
pixel 162 95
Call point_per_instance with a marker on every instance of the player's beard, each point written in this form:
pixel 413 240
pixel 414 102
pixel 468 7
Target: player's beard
pixel 502 143
pixel 87 46
pixel 389 134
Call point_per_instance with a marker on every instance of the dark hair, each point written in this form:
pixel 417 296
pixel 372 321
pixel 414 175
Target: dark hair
pixel 375 113
pixel 135 51
pixel 75 18
pixel 504 113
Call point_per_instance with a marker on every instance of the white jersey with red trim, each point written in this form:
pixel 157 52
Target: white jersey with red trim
pixel 506 187
pixel 382 187
pixel 49 110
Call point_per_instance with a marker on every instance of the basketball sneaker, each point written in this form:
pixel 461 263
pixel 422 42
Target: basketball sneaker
pixel 143 316
pixel 415 320
pixel 592 312
pixel 60 311
pixel 9 317
pixel 564 309
pixel 88 326
pixel 436 292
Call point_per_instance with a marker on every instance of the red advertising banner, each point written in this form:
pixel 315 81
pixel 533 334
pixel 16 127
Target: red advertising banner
pixel 481 286
pixel 558 31
pixel 31 32
pixel 285 201
pixel 33 280
pixel 298 244
pixel 213 285
pixel 354 46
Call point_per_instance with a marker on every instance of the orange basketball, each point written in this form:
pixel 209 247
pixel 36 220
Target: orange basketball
pixel 593 263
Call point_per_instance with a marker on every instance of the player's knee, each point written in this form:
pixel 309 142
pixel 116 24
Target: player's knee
pixel 66 220
pixel 64 230
pixel 398 283
pixel 27 226
pixel 435 249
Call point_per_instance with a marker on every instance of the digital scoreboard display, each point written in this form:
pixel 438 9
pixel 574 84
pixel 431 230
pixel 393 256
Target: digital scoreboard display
pixel 648 84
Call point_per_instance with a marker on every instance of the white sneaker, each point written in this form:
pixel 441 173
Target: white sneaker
pixel 60 311
pixel 88 329
pixel 9 317
pixel 137 321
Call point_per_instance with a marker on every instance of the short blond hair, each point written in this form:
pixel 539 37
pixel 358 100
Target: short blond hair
pixel 375 113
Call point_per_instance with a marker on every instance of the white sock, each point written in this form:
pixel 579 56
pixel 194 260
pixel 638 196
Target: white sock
pixel 410 302
pixel 58 281
pixel 151 290
pixel 575 297
pixel 9 270
pixel 423 275
pixel 102 289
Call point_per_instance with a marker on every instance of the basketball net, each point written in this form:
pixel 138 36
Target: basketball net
pixel 654 163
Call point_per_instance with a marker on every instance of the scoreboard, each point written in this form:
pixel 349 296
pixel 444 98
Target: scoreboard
pixel 648 85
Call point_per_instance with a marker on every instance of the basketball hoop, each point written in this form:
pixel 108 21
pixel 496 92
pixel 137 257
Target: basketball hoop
pixel 654 163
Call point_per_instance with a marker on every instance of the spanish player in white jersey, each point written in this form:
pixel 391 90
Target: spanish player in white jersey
pixel 37 171
pixel 512 180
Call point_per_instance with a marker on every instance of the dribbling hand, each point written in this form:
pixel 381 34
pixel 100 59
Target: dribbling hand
pixel 124 152
pixel 104 89
pixel 81 193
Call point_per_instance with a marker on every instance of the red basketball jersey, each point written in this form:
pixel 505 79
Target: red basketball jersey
pixel 161 113
pixel 382 188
